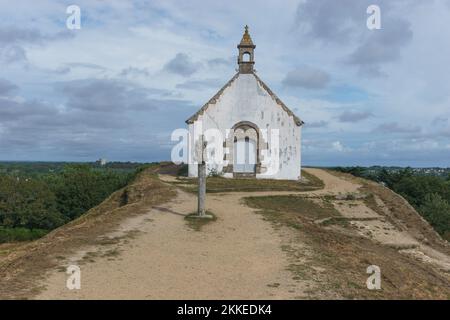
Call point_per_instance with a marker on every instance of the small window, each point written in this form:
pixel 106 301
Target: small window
pixel 246 57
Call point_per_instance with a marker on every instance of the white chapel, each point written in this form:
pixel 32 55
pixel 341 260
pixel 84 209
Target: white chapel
pixel 261 136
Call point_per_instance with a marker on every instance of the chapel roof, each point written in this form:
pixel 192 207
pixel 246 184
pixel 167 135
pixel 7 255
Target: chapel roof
pixel 215 98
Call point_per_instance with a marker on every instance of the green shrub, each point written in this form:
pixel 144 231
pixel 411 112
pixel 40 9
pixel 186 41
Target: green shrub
pixel 437 212
pixel 183 171
pixel 80 187
pixel 27 203
pixel 20 234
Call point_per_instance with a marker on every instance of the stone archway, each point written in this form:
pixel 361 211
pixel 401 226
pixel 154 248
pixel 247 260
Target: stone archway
pixel 246 151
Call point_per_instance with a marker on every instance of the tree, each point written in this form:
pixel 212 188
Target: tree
pixel 437 212
pixel 80 187
pixel 27 203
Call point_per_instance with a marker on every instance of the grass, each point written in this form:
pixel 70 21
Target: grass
pixel 196 223
pixel 292 206
pixel 220 184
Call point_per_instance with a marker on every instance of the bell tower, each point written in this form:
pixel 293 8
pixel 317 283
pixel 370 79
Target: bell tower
pixel 246 57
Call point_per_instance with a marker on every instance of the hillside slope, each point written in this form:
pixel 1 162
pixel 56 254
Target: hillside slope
pixel 264 245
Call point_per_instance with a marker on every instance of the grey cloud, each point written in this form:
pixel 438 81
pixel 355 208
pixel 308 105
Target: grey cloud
pixel 440 120
pixel 14 35
pixel 329 20
pixel 221 62
pixel 182 65
pixel 6 87
pixel 61 70
pixel 12 111
pixel 124 124
pixel 85 65
pixel 354 116
pixel 381 46
pixel 317 124
pixel 114 96
pixel 67 67
pixel 105 95
pixel 395 127
pixel 13 40
pixel 344 23
pixel 133 72
pixel 13 53
pixel 307 77
pixel 199 84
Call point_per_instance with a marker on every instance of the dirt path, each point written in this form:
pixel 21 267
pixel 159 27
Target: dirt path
pixel 239 256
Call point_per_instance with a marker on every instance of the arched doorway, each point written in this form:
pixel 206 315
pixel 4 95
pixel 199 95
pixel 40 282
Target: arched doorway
pixel 245 149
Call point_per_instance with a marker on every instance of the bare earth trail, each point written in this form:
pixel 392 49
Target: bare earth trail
pixel 158 256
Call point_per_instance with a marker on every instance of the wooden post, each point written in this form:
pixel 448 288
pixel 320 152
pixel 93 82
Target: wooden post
pixel 201 189
pixel 201 181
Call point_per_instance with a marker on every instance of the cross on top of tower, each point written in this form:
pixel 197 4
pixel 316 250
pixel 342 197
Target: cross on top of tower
pixel 246 39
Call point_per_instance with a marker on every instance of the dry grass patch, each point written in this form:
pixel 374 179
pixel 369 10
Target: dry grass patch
pixel 294 205
pixel 220 184
pixel 335 262
pixel 196 223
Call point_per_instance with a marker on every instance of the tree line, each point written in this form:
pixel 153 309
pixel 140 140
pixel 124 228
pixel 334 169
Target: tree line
pixel 32 206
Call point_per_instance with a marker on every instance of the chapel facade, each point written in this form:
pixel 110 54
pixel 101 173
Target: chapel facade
pixel 261 136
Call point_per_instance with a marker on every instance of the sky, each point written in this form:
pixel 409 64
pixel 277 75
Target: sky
pixel 136 70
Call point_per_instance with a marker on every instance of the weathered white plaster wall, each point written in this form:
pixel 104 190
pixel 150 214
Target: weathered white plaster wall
pixel 246 100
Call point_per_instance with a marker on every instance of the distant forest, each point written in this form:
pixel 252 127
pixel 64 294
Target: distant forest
pixel 37 197
pixel 426 189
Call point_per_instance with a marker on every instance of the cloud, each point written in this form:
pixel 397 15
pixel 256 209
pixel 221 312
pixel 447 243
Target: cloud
pixel 15 35
pixel 6 87
pixel 85 65
pixel 440 120
pixel 394 127
pixel 111 95
pixel 14 112
pixel 221 62
pixel 14 39
pixel 306 77
pixel 94 117
pixel 334 21
pixel 337 145
pixel 182 65
pixel 343 23
pixel 317 124
pixel 354 116
pixel 135 72
pixel 199 84
pixel 12 53
pixel 381 46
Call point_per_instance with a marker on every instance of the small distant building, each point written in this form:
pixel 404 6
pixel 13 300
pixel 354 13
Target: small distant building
pixel 246 111
pixel 101 162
